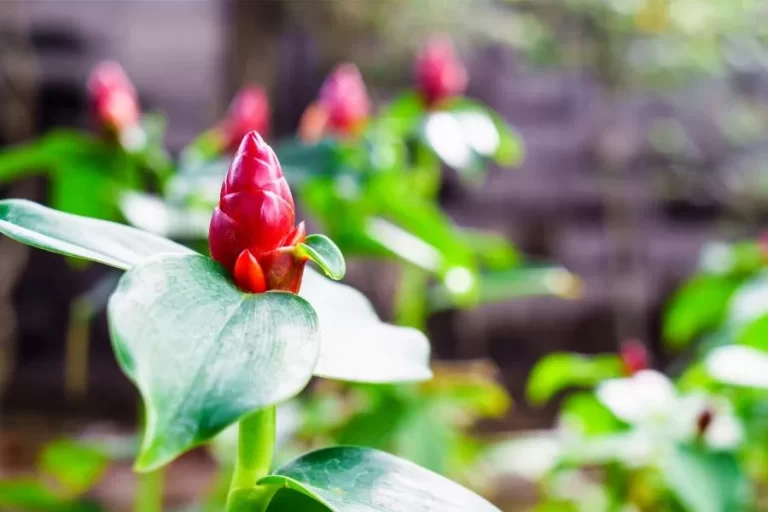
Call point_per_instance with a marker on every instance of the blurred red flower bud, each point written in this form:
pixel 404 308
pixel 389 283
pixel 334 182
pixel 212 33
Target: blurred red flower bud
pixel 248 112
pixel 252 230
pixel 112 97
pixel 704 420
pixel 344 99
pixel 439 73
pixel 634 356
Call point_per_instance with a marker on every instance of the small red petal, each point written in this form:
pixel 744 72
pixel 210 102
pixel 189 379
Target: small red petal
pixel 248 274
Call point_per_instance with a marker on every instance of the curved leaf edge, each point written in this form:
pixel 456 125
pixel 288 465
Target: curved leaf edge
pixel 141 464
pixel 334 266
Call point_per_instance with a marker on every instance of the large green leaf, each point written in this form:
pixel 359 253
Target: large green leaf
pixel 350 479
pixel 204 354
pixel 105 242
pixel 561 370
pixel 356 344
pixel 706 481
pixel 699 305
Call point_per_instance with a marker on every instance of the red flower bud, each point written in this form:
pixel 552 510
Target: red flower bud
pixel 112 97
pixel 439 73
pixel 345 100
pixel 248 112
pixel 635 356
pixel 252 230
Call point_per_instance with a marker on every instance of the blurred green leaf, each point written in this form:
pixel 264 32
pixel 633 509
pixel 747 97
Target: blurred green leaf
pixel 556 372
pixel 45 153
pixel 706 481
pixel 401 117
pixel 509 150
pixel 325 254
pixel 28 495
pixel 75 465
pixel 584 413
pixel 700 305
pixel 301 162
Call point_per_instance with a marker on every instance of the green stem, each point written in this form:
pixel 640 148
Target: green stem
pixel 255 447
pixel 149 494
pixel 411 299
pixel 77 348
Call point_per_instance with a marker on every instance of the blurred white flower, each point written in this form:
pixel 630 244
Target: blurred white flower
pixel 650 403
pixel 738 365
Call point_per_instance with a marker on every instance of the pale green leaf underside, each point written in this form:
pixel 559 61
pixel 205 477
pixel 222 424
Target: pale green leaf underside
pixel 351 479
pixel 97 240
pixel 202 353
pixel 325 254
pixel 356 345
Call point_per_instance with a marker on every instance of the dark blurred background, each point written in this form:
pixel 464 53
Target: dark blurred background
pixel 643 123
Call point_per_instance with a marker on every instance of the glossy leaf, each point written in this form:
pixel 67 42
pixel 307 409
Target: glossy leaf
pixel 698 306
pixel 97 240
pixel 350 479
pixel 325 254
pixel 559 371
pixel 356 344
pixel 706 481
pixel 204 354
pixel 509 150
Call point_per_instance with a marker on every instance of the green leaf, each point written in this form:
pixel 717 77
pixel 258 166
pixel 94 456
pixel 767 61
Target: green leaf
pixel 706 481
pixel 204 354
pixel 584 413
pixel 75 465
pixel 290 500
pixel 43 154
pixel 510 151
pixel 350 479
pixel 401 117
pixel 325 254
pixel 301 162
pixel 556 372
pixel 97 240
pixel 28 495
pixel 356 345
pixel 698 306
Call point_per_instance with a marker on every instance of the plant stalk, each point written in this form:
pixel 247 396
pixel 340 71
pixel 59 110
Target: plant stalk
pixel 411 298
pixel 77 348
pixel 149 492
pixel 255 448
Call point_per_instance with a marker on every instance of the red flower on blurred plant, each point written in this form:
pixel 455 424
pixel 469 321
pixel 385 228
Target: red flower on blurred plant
pixel 112 97
pixel 248 112
pixel 252 230
pixel 439 73
pixel 342 108
pixel 634 356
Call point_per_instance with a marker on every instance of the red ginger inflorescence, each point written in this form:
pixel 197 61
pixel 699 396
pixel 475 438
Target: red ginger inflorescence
pixel 439 73
pixel 342 108
pixel 248 112
pixel 252 231
pixel 112 97
pixel 634 356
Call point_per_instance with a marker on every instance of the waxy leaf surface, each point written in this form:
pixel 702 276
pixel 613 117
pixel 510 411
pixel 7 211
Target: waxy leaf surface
pixel 202 353
pixel 97 240
pixel 351 479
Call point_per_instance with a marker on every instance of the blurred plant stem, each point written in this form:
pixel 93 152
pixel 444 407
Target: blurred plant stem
pixel 149 492
pixel 77 348
pixel 410 308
